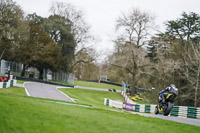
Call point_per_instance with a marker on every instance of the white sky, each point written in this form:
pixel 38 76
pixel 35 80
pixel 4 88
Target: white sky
pixel 102 14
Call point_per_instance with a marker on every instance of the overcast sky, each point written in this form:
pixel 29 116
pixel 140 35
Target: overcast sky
pixel 102 14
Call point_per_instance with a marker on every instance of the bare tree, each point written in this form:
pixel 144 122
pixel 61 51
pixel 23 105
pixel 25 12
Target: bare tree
pixel 132 60
pixel 136 26
pixel 85 65
pixel 79 27
pixel 192 74
pixel 134 29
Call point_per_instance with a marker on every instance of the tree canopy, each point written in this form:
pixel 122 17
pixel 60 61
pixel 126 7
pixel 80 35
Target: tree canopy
pixel 35 41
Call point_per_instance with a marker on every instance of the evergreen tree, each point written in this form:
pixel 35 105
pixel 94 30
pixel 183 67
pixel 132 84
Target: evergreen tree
pixel 152 51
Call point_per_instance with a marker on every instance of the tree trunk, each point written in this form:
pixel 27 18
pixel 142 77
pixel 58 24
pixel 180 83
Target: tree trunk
pixel 133 90
pixel 2 54
pixel 41 74
pixel 196 88
pixel 23 70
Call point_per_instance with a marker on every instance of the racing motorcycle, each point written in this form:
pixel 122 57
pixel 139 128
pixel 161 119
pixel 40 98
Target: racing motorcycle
pixel 167 106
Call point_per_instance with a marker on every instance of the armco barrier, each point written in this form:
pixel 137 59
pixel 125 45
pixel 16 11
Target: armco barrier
pixel 182 112
pixel 128 106
pixel 127 99
pixel 112 103
pixel 117 104
pixel 10 83
pixel 144 108
pixel 177 111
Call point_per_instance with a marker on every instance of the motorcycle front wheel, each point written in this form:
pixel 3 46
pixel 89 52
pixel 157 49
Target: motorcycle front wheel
pixel 169 108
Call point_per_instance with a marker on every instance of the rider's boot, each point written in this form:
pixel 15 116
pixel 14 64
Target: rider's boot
pixel 161 104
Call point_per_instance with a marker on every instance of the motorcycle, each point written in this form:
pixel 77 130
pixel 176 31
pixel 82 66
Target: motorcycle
pixel 167 106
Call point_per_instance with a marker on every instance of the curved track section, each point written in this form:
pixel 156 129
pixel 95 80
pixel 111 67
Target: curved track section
pixel 46 91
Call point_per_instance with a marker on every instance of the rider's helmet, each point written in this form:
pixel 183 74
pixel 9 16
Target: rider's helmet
pixel 173 86
pixel 173 89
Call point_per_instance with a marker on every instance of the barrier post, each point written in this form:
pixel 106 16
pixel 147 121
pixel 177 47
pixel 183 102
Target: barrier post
pixel 175 111
pixel 4 84
pixel 192 112
pixel 11 83
pixel 147 108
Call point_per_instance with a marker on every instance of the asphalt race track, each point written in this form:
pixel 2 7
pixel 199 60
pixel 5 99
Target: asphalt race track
pixel 46 91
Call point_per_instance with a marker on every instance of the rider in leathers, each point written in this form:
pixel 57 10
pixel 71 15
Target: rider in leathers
pixel 162 95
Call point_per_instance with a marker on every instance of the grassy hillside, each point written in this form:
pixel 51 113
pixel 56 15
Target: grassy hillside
pixel 22 114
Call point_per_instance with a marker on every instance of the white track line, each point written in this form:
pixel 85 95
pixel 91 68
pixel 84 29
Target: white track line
pixel 26 89
pixel 65 94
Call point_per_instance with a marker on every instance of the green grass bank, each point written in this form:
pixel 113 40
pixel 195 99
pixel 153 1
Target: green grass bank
pixel 22 114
